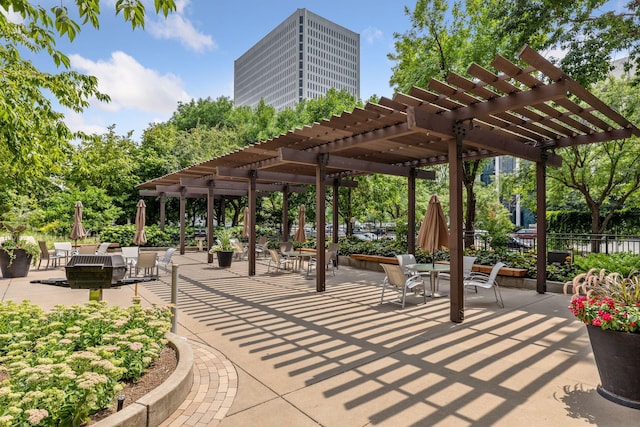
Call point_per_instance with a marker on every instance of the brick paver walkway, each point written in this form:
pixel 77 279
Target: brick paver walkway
pixel 215 384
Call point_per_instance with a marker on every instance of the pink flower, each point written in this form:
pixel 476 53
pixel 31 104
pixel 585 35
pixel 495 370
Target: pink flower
pixel 596 322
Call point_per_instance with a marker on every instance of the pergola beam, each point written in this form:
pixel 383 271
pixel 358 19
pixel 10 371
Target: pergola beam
pixel 311 158
pixel 277 177
pixel 478 136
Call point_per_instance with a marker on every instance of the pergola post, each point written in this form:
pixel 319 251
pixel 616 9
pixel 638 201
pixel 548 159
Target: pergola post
pixel 411 212
pixel 541 227
pixel 252 222
pixel 336 187
pixel 285 212
pixel 321 194
pixel 210 209
pixel 456 245
pixel 183 195
pixel 163 207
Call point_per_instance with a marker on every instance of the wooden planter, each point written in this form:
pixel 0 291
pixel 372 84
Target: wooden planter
pixel 617 357
pixel 19 267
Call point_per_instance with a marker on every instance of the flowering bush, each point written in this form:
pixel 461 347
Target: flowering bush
pixel 608 301
pixel 59 367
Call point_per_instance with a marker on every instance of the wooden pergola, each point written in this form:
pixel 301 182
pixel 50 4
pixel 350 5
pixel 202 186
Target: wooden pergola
pixel 522 111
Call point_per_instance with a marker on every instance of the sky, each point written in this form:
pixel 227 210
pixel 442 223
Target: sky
pixel 191 54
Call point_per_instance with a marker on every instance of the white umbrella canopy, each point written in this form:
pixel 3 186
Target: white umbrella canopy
pixel 77 231
pixel 433 234
pixel 140 238
pixel 300 236
pixel 245 223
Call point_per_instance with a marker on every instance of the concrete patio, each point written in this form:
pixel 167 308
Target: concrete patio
pixel 339 358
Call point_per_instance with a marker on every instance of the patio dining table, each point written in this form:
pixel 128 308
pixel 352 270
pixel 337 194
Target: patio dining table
pixel 299 257
pixel 433 270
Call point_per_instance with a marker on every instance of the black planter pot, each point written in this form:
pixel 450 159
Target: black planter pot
pixel 225 258
pixel 20 265
pixel 617 357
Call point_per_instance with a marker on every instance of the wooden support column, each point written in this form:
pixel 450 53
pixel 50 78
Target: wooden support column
pixel 183 220
pixel 321 194
pixel 541 227
pixel 223 212
pixel 285 213
pixel 210 215
pixel 456 246
pixel 411 212
pixel 163 208
pixel 336 188
pixel 252 222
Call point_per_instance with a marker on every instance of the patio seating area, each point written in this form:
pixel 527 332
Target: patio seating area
pixel 340 358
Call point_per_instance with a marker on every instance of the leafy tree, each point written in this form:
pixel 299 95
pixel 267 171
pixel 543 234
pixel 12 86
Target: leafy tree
pixel 34 140
pixel 98 210
pixel 439 44
pixel 28 122
pixel 108 162
pixel 203 113
pixel 589 32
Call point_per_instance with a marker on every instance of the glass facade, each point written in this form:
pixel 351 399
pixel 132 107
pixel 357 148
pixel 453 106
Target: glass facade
pixel 303 57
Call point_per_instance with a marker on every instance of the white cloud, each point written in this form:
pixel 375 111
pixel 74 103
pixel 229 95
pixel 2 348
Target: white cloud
pixel 131 85
pixel 371 34
pixel 176 26
pixel 79 122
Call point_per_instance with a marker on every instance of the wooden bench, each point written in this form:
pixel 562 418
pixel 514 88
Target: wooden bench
pixel 375 258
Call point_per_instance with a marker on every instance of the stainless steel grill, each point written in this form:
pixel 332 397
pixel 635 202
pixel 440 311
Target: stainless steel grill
pixel 95 271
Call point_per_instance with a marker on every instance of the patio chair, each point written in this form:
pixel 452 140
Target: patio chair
pixel 261 246
pixel 487 281
pixel 87 249
pixel 130 254
pixel 404 260
pixel 333 251
pixel 396 279
pixel 146 261
pixel 278 261
pixel 46 254
pixel 313 263
pixel 102 249
pixel 240 250
pixel 467 269
pixel 166 259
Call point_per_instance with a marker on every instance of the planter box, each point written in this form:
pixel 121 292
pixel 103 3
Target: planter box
pixel 19 267
pixel 617 356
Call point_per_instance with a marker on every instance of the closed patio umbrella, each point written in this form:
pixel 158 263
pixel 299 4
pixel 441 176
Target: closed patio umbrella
pixel 245 223
pixel 433 234
pixel 77 231
pixel 300 237
pixel 140 238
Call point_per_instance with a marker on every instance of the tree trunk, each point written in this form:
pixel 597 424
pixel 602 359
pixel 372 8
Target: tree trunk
pixel 595 228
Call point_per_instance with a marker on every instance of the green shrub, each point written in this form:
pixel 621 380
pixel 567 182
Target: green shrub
pixel 68 363
pixel 620 262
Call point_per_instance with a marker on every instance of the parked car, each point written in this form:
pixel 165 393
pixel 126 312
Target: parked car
pixel 365 236
pixel 513 243
pixel 525 233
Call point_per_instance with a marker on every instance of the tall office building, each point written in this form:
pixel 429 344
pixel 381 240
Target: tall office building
pixel 303 57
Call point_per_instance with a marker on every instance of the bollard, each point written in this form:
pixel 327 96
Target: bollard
pixel 174 297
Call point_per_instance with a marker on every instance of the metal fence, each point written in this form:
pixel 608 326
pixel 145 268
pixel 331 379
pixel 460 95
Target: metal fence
pixel 577 244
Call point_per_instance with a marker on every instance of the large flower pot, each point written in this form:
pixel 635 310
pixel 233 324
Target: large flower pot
pixel 617 357
pixel 225 258
pixel 20 265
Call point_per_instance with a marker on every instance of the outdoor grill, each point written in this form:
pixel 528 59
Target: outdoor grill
pixel 95 271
